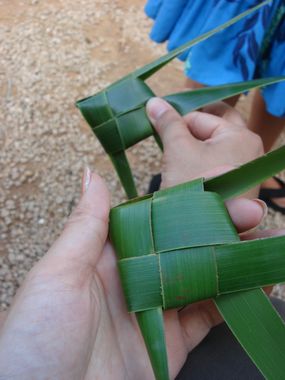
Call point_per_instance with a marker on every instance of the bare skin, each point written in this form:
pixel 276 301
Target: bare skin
pixel 267 126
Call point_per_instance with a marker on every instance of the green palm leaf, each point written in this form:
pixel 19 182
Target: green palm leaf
pixel 258 327
pixel 118 134
pixel 182 247
pixel 238 181
pixel 169 262
pixel 119 121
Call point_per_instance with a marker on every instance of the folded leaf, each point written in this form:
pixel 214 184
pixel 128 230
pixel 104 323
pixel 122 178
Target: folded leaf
pixel 117 114
pixel 182 247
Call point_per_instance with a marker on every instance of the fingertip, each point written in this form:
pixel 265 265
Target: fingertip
pixel 246 214
pixel 262 205
pixel 155 108
pixel 96 196
pixel 168 123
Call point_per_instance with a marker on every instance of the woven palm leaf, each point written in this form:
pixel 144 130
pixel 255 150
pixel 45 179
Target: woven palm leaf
pixel 178 246
pixel 117 114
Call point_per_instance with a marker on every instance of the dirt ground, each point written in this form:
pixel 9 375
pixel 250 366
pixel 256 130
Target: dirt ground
pixel 53 53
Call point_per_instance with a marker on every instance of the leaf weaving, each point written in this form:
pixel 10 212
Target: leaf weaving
pixel 178 245
pixel 117 114
pixel 182 247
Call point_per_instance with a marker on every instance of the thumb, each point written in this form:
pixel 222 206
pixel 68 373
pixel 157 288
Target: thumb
pixel 167 122
pixel 85 232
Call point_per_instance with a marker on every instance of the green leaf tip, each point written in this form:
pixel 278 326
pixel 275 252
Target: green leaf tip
pixel 247 176
pixel 258 328
pixel 149 69
pixel 152 328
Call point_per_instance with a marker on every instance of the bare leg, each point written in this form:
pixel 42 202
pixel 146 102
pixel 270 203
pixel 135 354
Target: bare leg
pixel 189 83
pixel 267 126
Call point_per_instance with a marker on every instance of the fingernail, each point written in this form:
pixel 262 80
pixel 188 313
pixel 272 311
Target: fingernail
pixel 155 108
pixel 264 207
pixel 86 179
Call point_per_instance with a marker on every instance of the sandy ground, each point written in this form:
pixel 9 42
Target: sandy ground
pixel 53 53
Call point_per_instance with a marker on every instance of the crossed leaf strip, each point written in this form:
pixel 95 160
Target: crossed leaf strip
pixel 188 258
pixel 171 244
pixel 118 117
pixel 112 112
pixel 178 278
pixel 152 260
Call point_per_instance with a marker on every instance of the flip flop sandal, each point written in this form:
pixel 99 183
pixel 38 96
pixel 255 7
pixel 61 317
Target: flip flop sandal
pixel 154 184
pixel 268 194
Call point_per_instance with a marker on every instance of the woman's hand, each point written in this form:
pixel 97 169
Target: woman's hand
pixel 201 143
pixel 69 319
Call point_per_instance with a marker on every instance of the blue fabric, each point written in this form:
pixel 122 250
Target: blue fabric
pixel 252 48
pixel 152 8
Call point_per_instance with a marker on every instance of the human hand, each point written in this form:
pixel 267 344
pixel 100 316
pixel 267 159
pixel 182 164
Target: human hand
pixel 69 319
pixel 201 143
pixel 206 144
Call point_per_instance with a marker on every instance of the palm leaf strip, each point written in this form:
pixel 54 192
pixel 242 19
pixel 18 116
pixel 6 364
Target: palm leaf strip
pixel 117 114
pixel 182 247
